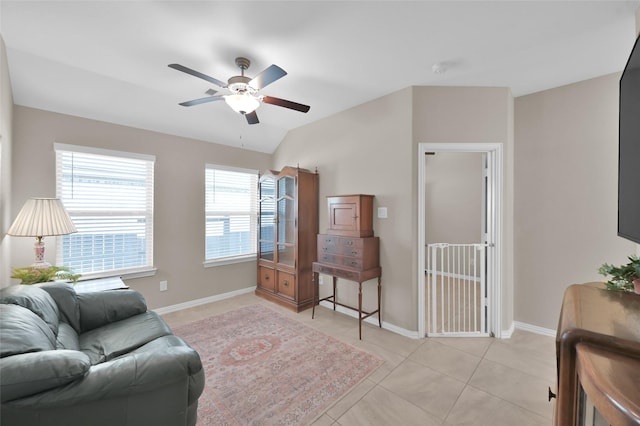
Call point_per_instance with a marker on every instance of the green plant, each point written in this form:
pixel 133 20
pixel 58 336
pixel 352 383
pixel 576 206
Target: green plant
pixel 32 275
pixel 622 276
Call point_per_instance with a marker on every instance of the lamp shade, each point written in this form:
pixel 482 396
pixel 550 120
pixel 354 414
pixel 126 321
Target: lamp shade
pixel 243 103
pixel 41 217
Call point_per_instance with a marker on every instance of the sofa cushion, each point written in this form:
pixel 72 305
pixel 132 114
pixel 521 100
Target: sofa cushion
pixel 35 299
pixel 117 338
pixel 67 337
pixel 31 373
pixel 23 331
pixel 64 294
pixel 100 308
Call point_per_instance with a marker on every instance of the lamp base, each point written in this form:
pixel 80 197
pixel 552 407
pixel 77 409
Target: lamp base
pixel 41 265
pixel 38 248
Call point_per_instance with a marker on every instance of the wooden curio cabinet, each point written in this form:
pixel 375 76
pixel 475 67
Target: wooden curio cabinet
pixel 287 229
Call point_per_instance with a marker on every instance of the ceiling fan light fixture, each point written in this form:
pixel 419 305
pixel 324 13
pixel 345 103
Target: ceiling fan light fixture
pixel 244 97
pixel 242 103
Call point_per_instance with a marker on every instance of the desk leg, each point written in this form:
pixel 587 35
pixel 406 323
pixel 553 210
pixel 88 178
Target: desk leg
pixel 360 310
pixel 316 292
pixel 379 294
pixel 335 280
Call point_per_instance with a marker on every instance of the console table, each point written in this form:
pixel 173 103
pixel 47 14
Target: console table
pixel 598 356
pixel 350 274
pixel 100 284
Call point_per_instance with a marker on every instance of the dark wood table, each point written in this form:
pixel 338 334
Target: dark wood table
pixel 612 382
pixel 350 274
pixel 598 350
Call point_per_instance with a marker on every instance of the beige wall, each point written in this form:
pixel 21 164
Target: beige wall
pixel 368 150
pixel 179 197
pixel 373 148
pixel 453 202
pixel 6 138
pixel 566 199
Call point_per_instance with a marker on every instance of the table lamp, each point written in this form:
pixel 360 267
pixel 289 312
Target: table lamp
pixel 42 217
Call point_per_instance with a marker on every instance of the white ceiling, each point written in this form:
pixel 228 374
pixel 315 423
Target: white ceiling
pixel 108 60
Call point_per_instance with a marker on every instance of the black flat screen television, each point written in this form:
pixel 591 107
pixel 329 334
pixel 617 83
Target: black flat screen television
pixel 629 145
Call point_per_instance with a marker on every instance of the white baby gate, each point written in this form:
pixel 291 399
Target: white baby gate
pixel 456 290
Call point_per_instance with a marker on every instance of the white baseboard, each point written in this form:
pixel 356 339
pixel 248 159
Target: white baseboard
pixel 374 321
pixel 203 301
pixel 218 297
pixel 535 329
pixel 412 334
pixel 506 334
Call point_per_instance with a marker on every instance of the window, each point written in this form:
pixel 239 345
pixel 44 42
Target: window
pixel 109 196
pixel 230 214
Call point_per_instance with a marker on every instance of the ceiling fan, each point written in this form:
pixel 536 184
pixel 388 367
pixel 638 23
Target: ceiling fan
pixel 244 97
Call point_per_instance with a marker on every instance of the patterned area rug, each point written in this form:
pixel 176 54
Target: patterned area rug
pixel 263 368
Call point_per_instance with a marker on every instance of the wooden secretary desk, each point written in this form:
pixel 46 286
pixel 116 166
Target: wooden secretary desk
pixel 349 250
pixel 598 355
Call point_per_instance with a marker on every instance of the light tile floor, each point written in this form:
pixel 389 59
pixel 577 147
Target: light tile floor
pixel 431 381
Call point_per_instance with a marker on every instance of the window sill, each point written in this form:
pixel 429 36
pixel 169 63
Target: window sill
pixel 125 274
pixel 229 261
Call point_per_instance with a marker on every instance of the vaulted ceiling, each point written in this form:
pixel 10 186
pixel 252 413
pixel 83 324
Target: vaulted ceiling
pixel 108 60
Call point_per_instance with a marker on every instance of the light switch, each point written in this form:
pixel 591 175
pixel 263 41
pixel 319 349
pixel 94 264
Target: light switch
pixel 382 212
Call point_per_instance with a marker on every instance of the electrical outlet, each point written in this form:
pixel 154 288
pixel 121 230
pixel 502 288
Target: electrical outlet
pixel 163 286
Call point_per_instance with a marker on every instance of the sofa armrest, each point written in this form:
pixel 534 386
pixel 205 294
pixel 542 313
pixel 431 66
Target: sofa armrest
pixel 131 374
pixel 34 372
pixel 103 307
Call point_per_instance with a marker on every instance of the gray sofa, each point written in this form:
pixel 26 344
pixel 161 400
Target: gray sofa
pixel 92 359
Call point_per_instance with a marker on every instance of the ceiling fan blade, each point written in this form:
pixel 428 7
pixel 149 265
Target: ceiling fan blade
pixel 252 118
pixel 284 103
pixel 267 77
pixel 202 101
pixel 198 74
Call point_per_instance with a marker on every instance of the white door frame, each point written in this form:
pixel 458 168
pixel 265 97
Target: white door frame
pixel 494 227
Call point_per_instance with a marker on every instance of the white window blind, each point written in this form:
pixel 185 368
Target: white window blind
pixel 109 196
pixel 231 204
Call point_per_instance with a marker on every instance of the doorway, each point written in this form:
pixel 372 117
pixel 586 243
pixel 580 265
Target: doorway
pixel 459 260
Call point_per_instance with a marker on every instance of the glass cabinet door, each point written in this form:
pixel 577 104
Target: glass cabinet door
pixel 286 254
pixel 267 218
pixel 286 221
